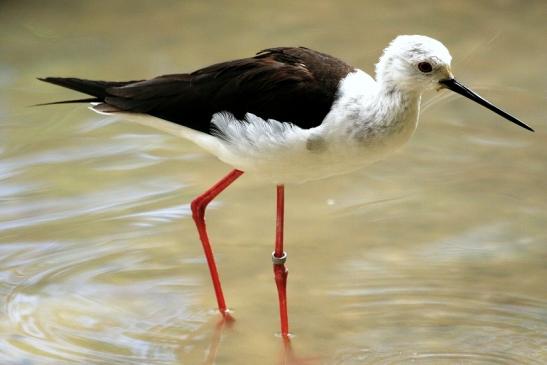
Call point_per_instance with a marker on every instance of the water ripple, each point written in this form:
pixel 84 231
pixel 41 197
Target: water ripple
pixel 449 316
pixel 78 309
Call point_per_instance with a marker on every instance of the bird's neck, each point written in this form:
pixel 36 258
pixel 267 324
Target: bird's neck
pixel 371 112
pixel 387 121
pixel 399 106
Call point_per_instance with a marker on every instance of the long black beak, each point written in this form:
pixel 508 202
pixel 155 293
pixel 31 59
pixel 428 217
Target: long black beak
pixel 455 86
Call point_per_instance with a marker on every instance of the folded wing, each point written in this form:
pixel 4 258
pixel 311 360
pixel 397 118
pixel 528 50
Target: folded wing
pixel 294 85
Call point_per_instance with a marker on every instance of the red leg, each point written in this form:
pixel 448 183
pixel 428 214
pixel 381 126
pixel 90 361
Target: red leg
pixel 279 257
pixel 198 213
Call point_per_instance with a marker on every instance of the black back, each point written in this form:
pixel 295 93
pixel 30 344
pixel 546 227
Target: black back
pixel 295 85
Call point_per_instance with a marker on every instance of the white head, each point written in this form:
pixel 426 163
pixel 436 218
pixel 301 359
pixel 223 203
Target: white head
pixel 414 63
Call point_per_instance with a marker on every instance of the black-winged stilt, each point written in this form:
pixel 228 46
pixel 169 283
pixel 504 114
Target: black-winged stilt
pixel 285 115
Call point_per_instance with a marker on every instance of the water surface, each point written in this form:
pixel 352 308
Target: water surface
pixel 435 256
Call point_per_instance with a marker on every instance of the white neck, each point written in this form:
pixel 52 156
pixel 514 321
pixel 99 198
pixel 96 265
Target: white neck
pixel 396 101
pixel 367 122
pixel 368 110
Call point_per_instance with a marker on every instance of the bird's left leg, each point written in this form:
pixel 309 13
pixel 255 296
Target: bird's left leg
pixel 279 257
pixel 198 213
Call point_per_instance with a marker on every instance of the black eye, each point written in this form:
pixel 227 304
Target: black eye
pixel 425 67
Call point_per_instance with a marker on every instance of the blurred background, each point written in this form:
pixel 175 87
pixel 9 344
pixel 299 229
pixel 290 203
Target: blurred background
pixel 435 256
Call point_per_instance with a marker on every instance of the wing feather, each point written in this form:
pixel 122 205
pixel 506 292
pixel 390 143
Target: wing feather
pixel 294 85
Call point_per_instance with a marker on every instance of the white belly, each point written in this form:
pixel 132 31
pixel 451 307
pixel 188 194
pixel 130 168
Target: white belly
pixel 276 152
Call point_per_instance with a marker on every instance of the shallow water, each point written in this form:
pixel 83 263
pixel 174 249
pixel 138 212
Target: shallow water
pixel 435 256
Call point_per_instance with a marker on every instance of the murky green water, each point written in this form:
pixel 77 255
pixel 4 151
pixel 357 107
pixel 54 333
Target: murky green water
pixel 435 256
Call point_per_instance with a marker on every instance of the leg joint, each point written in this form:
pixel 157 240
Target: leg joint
pixel 198 206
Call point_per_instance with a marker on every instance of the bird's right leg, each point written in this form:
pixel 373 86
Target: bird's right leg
pixel 279 257
pixel 198 206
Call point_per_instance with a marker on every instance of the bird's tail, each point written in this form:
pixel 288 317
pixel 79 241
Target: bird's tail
pixel 95 88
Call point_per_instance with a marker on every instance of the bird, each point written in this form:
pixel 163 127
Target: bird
pixel 286 115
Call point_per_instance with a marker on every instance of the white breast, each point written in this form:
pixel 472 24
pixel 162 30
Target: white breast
pixel 358 131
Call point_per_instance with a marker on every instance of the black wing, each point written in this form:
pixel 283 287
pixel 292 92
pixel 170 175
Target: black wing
pixel 295 85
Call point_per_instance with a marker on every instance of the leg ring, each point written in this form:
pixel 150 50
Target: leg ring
pixel 279 260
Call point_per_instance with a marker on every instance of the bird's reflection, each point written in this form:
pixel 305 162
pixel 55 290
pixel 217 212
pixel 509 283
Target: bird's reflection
pixel 225 322
pixel 287 355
